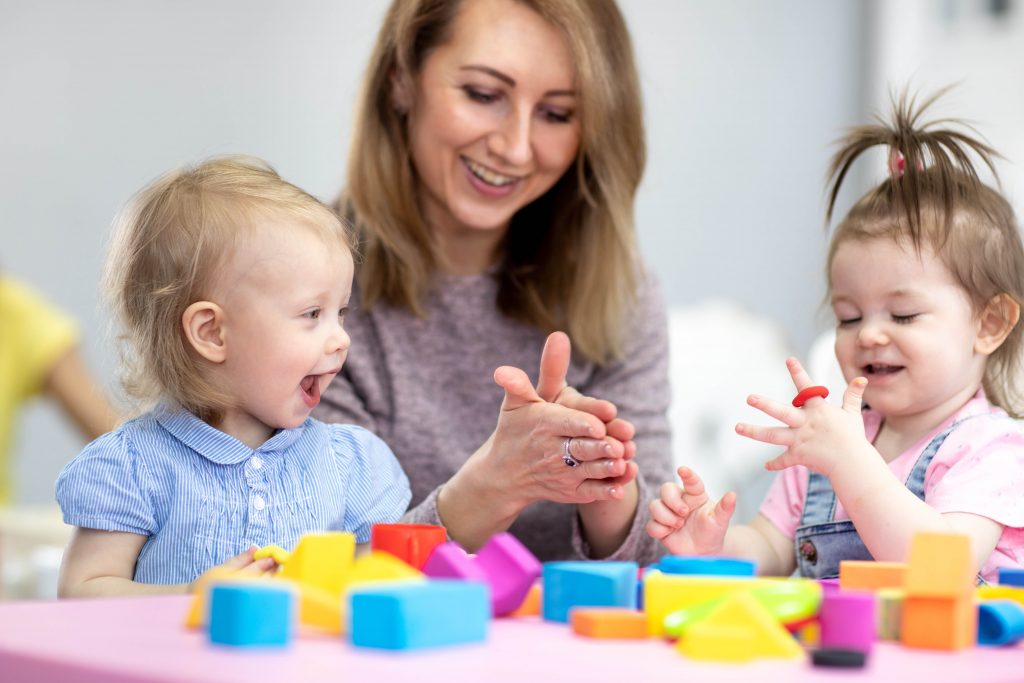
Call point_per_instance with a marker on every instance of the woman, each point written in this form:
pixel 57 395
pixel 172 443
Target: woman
pixel 496 154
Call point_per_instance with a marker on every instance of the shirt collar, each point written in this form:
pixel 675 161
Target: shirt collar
pixel 215 445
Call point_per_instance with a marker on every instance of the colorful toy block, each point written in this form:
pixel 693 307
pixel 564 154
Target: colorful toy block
pixel 321 609
pixel 707 566
pixel 608 622
pixel 848 620
pixel 667 593
pixel 411 543
pixel 738 630
pixel 790 602
pixel 1000 593
pixel 939 566
pixel 939 623
pixel 199 609
pixel 511 569
pixel 279 554
pixel 587 584
pixel 1011 576
pixel 530 606
pixel 890 613
pixel 252 614
pixel 321 560
pixel 871 576
pixel 377 567
pixel 450 561
pixel 1000 622
pixel 411 616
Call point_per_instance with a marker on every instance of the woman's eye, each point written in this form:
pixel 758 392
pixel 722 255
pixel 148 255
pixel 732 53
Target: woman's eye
pixel 480 95
pixel 557 115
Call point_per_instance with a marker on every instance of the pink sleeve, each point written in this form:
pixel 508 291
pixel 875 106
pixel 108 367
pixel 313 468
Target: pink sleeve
pixel 784 502
pixel 980 470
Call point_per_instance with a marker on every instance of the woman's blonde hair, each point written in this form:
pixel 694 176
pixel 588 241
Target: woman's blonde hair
pixel 168 245
pixel 934 197
pixel 570 257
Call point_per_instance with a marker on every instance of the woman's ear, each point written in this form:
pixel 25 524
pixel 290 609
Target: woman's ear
pixel 401 92
pixel 997 321
pixel 203 323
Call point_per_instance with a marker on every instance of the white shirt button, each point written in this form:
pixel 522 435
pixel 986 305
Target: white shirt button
pixel 255 462
pixel 258 503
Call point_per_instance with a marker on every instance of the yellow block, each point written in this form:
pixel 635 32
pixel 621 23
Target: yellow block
pixel 321 609
pixel 666 593
pixel 279 554
pixel 738 630
pixel 1001 593
pixel 378 566
pixel 321 560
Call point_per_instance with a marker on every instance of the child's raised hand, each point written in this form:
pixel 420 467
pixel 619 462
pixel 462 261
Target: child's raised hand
pixel 818 435
pixel 686 520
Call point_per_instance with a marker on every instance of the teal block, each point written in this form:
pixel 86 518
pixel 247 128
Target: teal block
pixel 252 615
pixel 413 616
pixel 587 584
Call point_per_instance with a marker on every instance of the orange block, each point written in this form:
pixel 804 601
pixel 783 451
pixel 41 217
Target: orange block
pixel 940 566
pixel 861 575
pixel 939 623
pixel 530 606
pixel 608 622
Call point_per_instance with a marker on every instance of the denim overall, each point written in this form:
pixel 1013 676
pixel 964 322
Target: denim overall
pixel 822 543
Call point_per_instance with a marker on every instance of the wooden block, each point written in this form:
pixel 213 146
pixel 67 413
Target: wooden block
pixel 595 622
pixel 861 575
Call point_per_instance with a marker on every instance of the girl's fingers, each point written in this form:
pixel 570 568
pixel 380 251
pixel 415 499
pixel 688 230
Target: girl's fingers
pixel 672 497
pixel 661 514
pixel 800 377
pixel 725 508
pixel 782 462
pixel 853 397
pixel 783 412
pixel 658 531
pixel 778 436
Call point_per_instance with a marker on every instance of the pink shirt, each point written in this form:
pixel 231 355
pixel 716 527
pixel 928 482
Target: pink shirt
pixel 979 469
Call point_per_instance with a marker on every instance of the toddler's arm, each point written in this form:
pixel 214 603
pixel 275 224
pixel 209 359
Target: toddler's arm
pixel 688 522
pixel 102 563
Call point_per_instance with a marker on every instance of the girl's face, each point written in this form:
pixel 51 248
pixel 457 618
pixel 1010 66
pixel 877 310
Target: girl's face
pixel 283 301
pixel 905 324
pixel 493 122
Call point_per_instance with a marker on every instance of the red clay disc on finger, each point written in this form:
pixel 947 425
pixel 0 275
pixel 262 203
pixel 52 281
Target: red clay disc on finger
pixel 809 392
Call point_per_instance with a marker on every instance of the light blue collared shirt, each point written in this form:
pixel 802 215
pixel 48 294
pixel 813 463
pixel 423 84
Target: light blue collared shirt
pixel 202 496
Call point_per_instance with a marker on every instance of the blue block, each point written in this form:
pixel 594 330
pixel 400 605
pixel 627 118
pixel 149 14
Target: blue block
pixel 714 566
pixel 1011 576
pixel 410 616
pixel 1000 622
pixel 252 615
pixel 587 584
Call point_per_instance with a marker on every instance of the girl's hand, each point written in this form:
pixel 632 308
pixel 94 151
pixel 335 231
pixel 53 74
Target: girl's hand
pixel 819 435
pixel 685 519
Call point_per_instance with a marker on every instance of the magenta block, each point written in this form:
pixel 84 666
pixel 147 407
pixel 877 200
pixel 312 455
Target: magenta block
pixel 510 569
pixel 450 561
pixel 848 620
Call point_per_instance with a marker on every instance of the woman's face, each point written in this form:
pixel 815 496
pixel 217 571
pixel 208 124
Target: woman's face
pixel 493 122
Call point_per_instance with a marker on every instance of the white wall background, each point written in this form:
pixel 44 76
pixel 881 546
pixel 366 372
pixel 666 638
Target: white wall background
pixel 96 98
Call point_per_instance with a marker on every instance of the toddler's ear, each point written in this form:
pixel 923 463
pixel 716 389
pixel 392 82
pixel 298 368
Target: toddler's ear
pixel 202 323
pixel 997 321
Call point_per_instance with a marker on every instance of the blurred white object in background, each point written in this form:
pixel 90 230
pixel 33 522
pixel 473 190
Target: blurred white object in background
pixel 719 354
pixel 32 541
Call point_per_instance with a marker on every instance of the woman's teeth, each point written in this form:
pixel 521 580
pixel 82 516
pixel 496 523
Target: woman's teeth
pixel 488 176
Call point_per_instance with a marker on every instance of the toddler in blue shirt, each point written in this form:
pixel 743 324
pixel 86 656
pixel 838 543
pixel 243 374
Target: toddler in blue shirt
pixel 231 287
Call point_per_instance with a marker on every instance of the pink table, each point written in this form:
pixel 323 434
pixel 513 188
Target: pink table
pixel 142 640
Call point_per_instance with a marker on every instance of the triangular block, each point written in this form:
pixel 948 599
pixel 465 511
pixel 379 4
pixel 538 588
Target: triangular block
pixel 739 629
pixel 321 560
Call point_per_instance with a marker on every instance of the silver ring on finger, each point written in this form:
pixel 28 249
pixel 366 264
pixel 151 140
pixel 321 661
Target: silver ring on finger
pixel 567 454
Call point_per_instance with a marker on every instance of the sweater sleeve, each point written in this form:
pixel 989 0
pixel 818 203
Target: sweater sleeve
pixel 638 386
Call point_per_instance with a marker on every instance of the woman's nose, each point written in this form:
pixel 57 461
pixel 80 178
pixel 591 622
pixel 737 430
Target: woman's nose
pixel 511 141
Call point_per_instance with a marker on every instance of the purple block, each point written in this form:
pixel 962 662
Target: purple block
pixel 510 569
pixel 848 620
pixel 829 585
pixel 450 561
